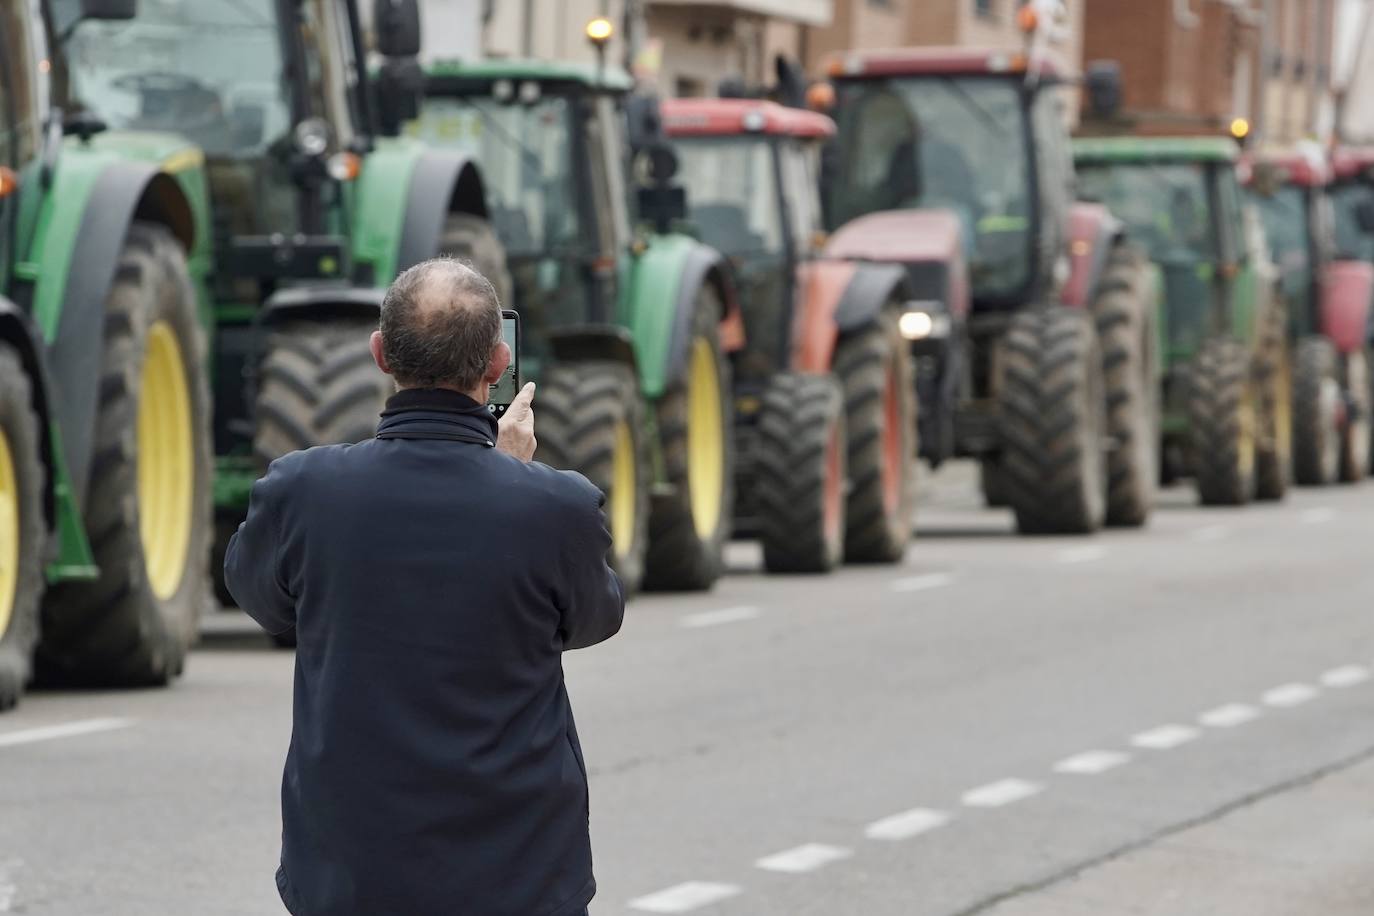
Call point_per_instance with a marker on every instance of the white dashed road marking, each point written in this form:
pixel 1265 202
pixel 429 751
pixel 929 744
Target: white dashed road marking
pixel 1346 676
pixel 683 898
pixel 1229 716
pixel 1289 695
pixel 65 730
pixel 1210 533
pixel 1165 737
pixel 1090 763
pixel 1002 792
pixel 921 583
pixel 716 618
pixel 906 825
pixel 1318 515
pixel 1081 554
pixel 804 858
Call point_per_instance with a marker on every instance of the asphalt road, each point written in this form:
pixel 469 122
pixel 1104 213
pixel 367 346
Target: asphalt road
pixel 946 737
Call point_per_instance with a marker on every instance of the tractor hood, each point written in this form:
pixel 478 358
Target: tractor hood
pixel 929 243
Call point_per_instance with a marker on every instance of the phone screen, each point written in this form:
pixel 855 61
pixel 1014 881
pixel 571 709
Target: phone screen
pixel 504 391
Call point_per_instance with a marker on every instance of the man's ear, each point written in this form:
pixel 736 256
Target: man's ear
pixel 500 360
pixel 375 344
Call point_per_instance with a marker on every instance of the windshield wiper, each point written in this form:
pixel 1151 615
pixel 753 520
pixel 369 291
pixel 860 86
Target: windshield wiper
pixel 973 105
pixel 527 156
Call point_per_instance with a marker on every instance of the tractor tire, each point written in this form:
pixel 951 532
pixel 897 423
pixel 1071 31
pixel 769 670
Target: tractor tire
pixel 317 385
pixel 1355 436
pixel 1052 423
pixel 23 527
pixel 148 502
pixel 1221 423
pixel 1316 413
pixel 992 483
pixel 689 524
pixel 800 480
pixel 1274 381
pixel 591 420
pixel 1126 329
pixel 874 368
pixel 472 239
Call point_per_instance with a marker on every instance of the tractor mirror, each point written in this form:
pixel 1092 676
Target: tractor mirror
pixel 399 85
pixel 1102 79
pixel 662 163
pixel 1364 216
pixel 398 27
pixel 109 9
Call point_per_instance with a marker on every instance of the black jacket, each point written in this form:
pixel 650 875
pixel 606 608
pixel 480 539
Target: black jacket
pixel 434 583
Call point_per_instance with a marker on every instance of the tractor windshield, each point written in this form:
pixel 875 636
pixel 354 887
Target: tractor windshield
pixel 1287 229
pixel 957 143
pixel 1352 242
pixel 730 181
pixel 1164 205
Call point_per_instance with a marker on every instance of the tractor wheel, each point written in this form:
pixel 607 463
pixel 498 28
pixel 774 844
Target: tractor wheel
pixel 1126 329
pixel 317 385
pixel 992 482
pixel 591 420
pixel 23 529
pixel 1355 435
pixel 800 480
pixel 1274 381
pixel 148 502
pixel 690 523
pixel 1222 423
pixel 1316 413
pixel 873 366
pixel 1053 423
pixel 472 239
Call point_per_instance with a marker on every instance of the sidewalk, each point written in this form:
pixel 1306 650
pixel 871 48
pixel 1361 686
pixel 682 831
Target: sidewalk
pixel 1305 852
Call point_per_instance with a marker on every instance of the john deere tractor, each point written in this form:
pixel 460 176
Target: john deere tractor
pixel 1226 386
pixel 825 393
pixel 622 313
pixel 1031 314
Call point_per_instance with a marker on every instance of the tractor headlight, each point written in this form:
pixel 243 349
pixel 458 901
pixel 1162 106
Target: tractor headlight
pixel 312 136
pixel 923 320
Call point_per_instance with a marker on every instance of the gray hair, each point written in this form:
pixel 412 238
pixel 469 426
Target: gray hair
pixel 440 322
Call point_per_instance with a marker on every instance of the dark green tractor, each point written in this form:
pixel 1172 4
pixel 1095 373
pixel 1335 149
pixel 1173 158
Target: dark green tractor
pixel 1226 395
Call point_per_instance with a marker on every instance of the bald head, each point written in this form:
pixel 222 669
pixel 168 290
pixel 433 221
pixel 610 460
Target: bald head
pixel 441 327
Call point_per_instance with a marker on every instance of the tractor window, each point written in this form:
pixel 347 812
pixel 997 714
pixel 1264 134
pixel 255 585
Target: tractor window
pixel 1351 241
pixel 953 143
pixel 612 125
pixel 604 203
pixel 1164 205
pixel 20 114
pixel 331 67
pixel 1285 226
pixel 209 70
pixel 802 187
pixel 1229 198
pixel 726 180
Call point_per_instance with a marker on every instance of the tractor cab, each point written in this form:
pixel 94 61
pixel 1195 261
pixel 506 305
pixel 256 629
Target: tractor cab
pixel 550 138
pixel 1352 202
pixel 753 170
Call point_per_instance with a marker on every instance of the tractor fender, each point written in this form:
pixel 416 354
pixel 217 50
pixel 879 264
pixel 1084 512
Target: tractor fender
pixel 838 297
pixel 19 331
pixel 664 282
pixel 395 229
pixel 323 302
pixel 1092 233
pixel 94 199
pixel 1345 290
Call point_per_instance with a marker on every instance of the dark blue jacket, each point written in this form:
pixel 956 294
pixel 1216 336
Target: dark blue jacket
pixel 433 583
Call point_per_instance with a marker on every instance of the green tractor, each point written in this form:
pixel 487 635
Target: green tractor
pixel 623 316
pixel 105 434
pixel 1226 383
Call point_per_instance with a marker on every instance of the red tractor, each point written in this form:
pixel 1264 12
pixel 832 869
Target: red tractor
pixel 1326 286
pixel 824 392
pixel 1032 319
pixel 1352 199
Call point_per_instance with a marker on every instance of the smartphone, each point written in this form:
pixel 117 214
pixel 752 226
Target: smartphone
pixel 500 395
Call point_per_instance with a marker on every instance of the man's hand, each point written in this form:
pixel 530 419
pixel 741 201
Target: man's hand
pixel 517 426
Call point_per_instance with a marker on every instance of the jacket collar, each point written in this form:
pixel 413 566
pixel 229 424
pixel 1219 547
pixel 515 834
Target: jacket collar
pixel 437 408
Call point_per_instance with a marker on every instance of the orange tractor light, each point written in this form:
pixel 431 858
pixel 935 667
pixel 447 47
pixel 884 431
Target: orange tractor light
pixel 1027 18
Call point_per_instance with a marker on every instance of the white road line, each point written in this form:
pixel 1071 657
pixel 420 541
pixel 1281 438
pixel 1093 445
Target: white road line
pixel 921 583
pixel 1318 515
pixel 716 618
pixel 1002 792
pixel 1210 533
pixel 1229 715
pixel 1090 763
pixel 1289 695
pixel 685 897
pixel 1346 676
pixel 808 857
pixel 906 825
pixel 1081 554
pixel 1165 737
pixel 65 730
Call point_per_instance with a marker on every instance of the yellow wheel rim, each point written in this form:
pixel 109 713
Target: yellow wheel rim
pixel 623 495
pixel 166 466
pixel 9 534
pixel 705 439
pixel 1246 433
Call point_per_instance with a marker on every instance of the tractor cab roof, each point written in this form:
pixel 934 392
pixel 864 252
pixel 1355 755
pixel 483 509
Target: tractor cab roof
pixel 471 75
pixel 1301 167
pixel 1349 162
pixel 742 117
pixel 1139 150
pixel 943 61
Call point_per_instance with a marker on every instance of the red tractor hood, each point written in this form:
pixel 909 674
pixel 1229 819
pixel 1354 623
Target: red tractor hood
pixel 904 236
